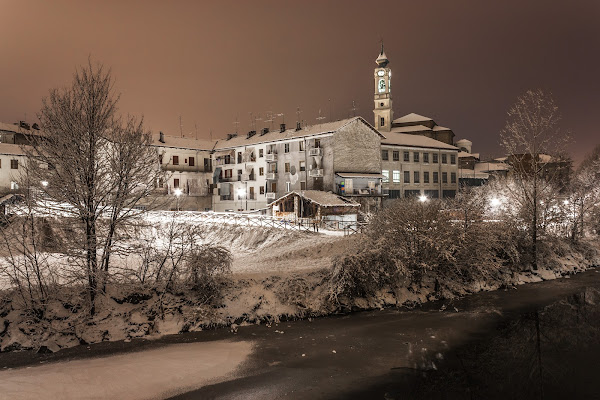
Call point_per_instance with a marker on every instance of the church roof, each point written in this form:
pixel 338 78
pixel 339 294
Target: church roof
pixel 183 142
pixel 410 129
pixel 412 117
pixel 411 140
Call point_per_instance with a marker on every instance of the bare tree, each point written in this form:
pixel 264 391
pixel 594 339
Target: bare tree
pixel 585 195
pixel 94 163
pixel 535 147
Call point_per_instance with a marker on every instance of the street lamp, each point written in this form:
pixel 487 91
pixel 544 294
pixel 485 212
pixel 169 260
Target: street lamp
pixel 495 202
pixel 177 193
pixel 422 198
pixel 44 183
pixel 241 193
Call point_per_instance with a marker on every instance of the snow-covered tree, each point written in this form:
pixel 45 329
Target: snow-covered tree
pixel 97 164
pixel 535 148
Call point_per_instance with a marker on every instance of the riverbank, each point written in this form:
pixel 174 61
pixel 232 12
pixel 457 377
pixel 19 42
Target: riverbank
pixel 128 313
pixel 369 354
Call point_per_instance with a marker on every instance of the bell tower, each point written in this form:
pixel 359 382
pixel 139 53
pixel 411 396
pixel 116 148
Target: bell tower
pixel 383 95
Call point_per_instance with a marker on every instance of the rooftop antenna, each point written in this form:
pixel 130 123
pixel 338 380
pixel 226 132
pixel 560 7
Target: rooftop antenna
pixel 282 115
pixel 252 122
pixel 330 111
pixel 196 128
pixel 259 118
pixel 210 133
pixel 320 118
pixel 353 109
pixel 298 112
pixel 270 118
pixel 180 127
pixel 237 123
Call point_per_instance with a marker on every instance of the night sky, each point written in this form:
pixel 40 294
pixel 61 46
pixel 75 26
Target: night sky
pixel 462 63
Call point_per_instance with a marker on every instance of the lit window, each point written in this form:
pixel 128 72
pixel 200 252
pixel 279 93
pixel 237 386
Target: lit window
pixel 396 176
pixel 386 175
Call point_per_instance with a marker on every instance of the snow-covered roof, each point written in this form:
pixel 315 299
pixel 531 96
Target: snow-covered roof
pixel 406 139
pixel 469 173
pixel 183 142
pixel 311 130
pixel 441 128
pixel 324 199
pixel 488 166
pixel 11 149
pixel 358 175
pixel 412 117
pixel 464 154
pixel 411 128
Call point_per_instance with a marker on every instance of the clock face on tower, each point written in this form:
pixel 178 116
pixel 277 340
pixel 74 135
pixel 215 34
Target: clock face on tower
pixel 381 85
pixel 381 72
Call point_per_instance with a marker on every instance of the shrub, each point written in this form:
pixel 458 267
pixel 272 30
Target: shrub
pixel 207 269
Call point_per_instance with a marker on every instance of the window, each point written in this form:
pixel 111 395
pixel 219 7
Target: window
pixel 160 158
pixel 425 157
pixel 426 177
pixel 452 158
pixel 175 183
pixel 444 177
pixel 435 158
pixel 192 162
pixel 384 155
pixel 228 159
pixel 261 171
pixel 251 193
pixel 302 166
pixel 406 156
pixel 175 160
pixel 396 155
pixel 288 186
pixel 417 177
pixel 262 190
pixel 239 174
pixel 416 156
pixel 317 143
pixel 287 168
pixel 228 173
pixel 444 158
pixel 302 185
pixel 261 153
pixel 14 186
pixel 301 146
pixel 386 175
pixel 239 157
pixel 396 176
pixel 286 148
pixel 381 121
pixel 273 187
pixel 406 177
pixel 453 177
pixel 435 177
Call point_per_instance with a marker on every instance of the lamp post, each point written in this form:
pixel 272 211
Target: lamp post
pixel 241 193
pixel 177 193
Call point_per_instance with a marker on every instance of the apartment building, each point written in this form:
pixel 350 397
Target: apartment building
pixel 253 170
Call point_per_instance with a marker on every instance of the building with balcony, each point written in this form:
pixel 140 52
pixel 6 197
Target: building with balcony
pixel 188 166
pixel 254 169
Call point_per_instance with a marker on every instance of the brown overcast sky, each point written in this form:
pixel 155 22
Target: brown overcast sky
pixel 463 63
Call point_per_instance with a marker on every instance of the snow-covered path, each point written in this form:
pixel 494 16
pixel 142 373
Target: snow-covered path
pixel 150 374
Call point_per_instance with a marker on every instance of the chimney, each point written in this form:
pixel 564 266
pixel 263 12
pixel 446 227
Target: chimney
pixel 23 124
pixel 231 136
pixel 281 127
pixel 298 127
pixel 35 126
pixel 250 134
pixel 161 137
pixel 264 131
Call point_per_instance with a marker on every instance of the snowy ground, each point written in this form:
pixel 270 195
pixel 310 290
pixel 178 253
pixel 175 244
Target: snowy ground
pixel 151 374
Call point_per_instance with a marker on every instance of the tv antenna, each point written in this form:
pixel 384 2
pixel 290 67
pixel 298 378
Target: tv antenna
pixel 270 118
pixel 354 108
pixel 237 123
pixel 282 115
pixel 320 118
pixel 180 127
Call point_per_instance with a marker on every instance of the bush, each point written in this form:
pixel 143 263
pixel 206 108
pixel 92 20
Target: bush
pixel 207 269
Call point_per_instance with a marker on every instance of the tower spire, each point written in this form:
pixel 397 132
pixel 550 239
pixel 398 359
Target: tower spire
pixel 382 61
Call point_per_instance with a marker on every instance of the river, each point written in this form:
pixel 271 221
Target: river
pixel 538 340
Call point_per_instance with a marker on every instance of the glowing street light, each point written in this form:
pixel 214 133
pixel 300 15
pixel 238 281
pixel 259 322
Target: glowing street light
pixel 241 192
pixel 44 183
pixel 495 202
pixel 566 202
pixel 422 198
pixel 177 192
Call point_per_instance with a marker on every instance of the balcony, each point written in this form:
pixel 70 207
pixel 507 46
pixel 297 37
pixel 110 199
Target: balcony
pixel 271 176
pixel 271 157
pixel 270 195
pixel 315 172
pixel 315 152
pixel 248 177
pixel 182 168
